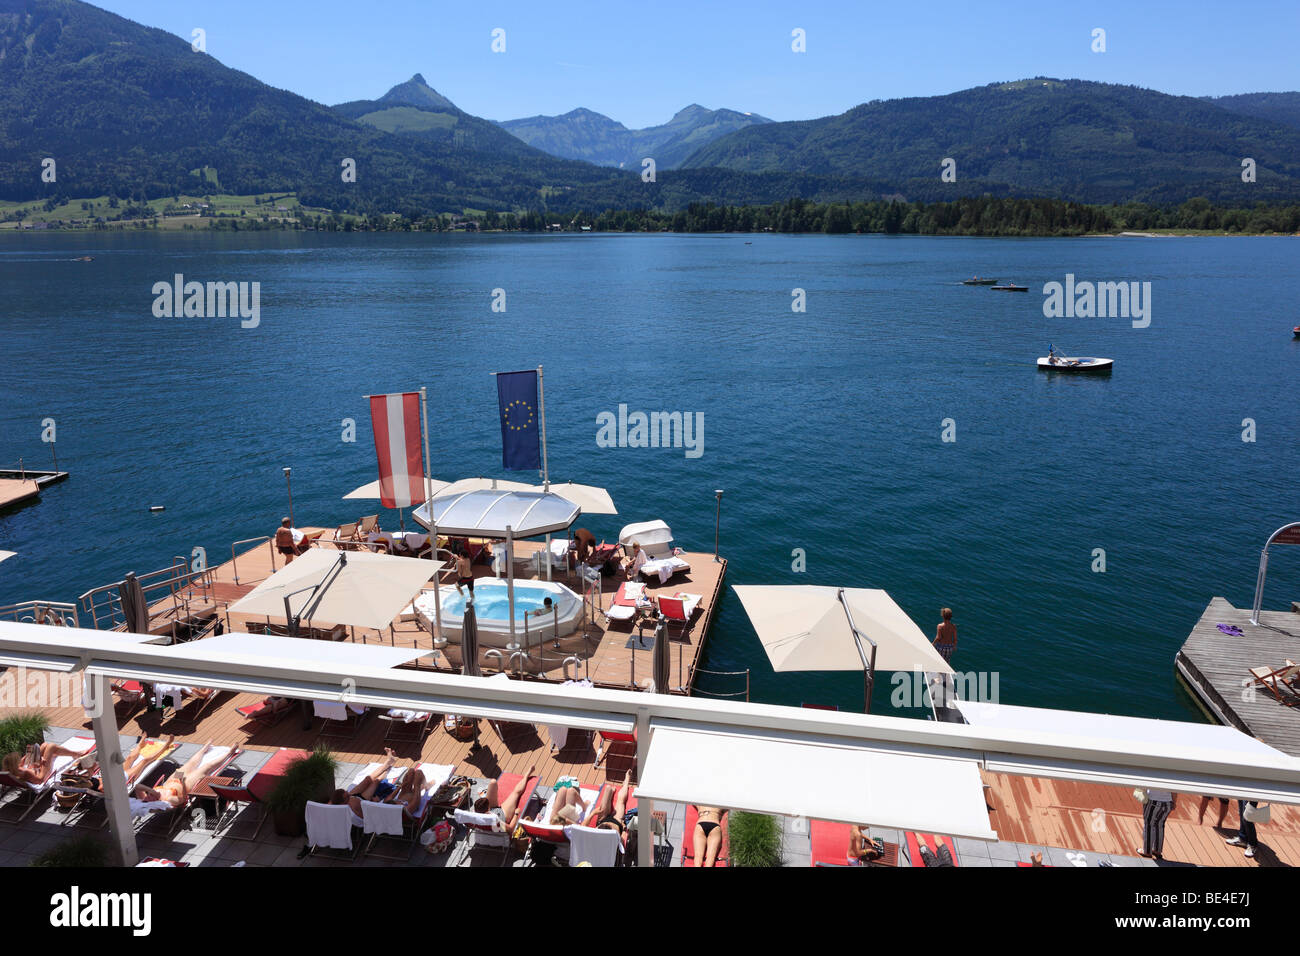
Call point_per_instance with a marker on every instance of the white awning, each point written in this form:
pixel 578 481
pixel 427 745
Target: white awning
pixel 1205 741
pixel 48 658
pixel 368 590
pixel 488 513
pixel 239 648
pixel 822 781
pixel 806 628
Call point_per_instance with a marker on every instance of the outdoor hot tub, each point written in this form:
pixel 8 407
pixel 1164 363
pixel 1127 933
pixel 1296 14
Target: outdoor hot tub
pixel 492 609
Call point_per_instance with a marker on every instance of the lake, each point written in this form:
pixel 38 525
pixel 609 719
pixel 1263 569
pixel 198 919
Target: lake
pixel 824 427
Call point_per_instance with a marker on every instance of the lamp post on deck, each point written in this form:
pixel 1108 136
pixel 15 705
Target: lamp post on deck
pixel 717 523
pixel 289 486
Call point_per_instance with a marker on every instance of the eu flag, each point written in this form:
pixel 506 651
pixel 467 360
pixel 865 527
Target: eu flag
pixel 521 447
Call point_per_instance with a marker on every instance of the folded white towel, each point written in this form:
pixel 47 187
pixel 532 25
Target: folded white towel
pixel 142 808
pixel 330 709
pixel 595 845
pixel 330 826
pixel 382 818
pixel 408 716
pixel 472 819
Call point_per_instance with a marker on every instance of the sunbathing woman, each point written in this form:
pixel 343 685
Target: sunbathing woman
pixel 611 808
pixel 509 809
pixel 145 752
pixel 177 787
pixel 708 835
pixel 567 808
pixel 21 767
pixel 376 787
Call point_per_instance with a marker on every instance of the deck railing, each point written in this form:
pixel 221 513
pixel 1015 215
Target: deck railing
pixel 56 613
pixel 184 586
pixel 234 565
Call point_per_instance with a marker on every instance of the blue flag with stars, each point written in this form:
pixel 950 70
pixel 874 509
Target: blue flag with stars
pixel 521 446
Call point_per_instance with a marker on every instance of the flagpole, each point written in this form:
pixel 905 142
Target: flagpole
pixel 541 401
pixel 546 474
pixel 433 524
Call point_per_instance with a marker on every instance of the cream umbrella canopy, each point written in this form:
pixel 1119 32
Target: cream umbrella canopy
pixel 811 628
pixel 355 588
pixel 370 492
pixel 592 500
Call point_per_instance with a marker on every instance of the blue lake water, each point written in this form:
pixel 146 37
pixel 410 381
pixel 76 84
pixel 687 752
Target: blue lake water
pixel 824 428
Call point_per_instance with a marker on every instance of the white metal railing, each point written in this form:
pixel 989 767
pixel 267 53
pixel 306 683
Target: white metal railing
pixel 234 560
pixel 178 582
pixel 55 613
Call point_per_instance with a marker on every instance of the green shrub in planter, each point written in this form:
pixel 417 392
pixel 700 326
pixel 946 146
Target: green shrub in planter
pixel 20 731
pixel 755 840
pixel 79 852
pixel 311 778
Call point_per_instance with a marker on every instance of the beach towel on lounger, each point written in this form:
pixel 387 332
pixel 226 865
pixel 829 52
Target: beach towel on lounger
pixel 597 846
pixel 331 826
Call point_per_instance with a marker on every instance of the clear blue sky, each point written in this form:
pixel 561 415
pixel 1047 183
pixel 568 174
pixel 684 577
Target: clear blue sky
pixel 639 62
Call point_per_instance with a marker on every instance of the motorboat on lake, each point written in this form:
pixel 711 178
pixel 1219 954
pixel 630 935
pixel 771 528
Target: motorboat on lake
pixel 977 280
pixel 1054 361
pixel 1010 288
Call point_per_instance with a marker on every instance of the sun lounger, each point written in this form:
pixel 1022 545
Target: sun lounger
pixel 830 845
pixel 233 798
pixel 187 706
pixel 268 712
pixel 331 827
pixel 595 846
pixel 629 596
pixel 30 795
pixel 679 608
pixel 178 815
pixel 405 725
pixel 553 833
pixel 931 841
pixel 392 820
pixel 688 837
pixel 487 829
pixel 341 720
pixel 1280 681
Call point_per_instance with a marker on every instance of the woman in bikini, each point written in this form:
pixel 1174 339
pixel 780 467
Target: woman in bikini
pixel 508 809
pixel 145 752
pixel 178 786
pixel 708 835
pixel 611 809
pixel 20 767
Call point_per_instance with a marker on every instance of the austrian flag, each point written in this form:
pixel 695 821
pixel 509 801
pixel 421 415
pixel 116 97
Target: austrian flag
pixel 396 422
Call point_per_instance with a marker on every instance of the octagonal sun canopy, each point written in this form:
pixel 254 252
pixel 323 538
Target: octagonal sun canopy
pixel 487 513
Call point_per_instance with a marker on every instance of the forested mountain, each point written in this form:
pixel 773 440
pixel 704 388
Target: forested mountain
pixel 1091 142
pixel 1281 108
pixel 584 134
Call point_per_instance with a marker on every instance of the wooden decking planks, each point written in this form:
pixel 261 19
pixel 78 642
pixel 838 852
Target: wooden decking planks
pixel 14 490
pixel 1105 819
pixel 1216 666
pixel 612 654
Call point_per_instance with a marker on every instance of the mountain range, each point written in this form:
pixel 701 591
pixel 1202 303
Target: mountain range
pixel 584 134
pixel 132 111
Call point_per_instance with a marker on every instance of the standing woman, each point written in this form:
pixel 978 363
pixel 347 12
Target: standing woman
pixel 945 636
pixel 1160 803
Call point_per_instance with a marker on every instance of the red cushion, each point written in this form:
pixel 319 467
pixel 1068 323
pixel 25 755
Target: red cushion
pixel 265 779
pixel 830 842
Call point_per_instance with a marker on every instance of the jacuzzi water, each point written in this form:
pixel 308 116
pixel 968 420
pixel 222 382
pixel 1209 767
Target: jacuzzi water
pixel 492 601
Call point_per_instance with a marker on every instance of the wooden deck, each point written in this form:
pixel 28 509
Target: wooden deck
pixel 14 490
pixel 1104 819
pixel 1216 667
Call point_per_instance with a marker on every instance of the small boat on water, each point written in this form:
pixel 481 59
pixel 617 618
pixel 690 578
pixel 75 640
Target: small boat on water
pixel 1296 331
pixel 1053 361
pixel 84 259
pixel 977 280
pixel 1010 288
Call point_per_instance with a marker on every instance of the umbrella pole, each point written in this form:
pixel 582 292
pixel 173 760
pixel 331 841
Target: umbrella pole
pixel 510 581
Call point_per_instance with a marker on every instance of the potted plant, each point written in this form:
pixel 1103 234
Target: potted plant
pixel 20 731
pixel 79 853
pixel 308 779
pixel 755 840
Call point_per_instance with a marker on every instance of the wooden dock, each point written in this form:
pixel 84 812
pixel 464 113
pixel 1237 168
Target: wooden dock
pixel 21 485
pixel 1216 668
pixel 612 654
